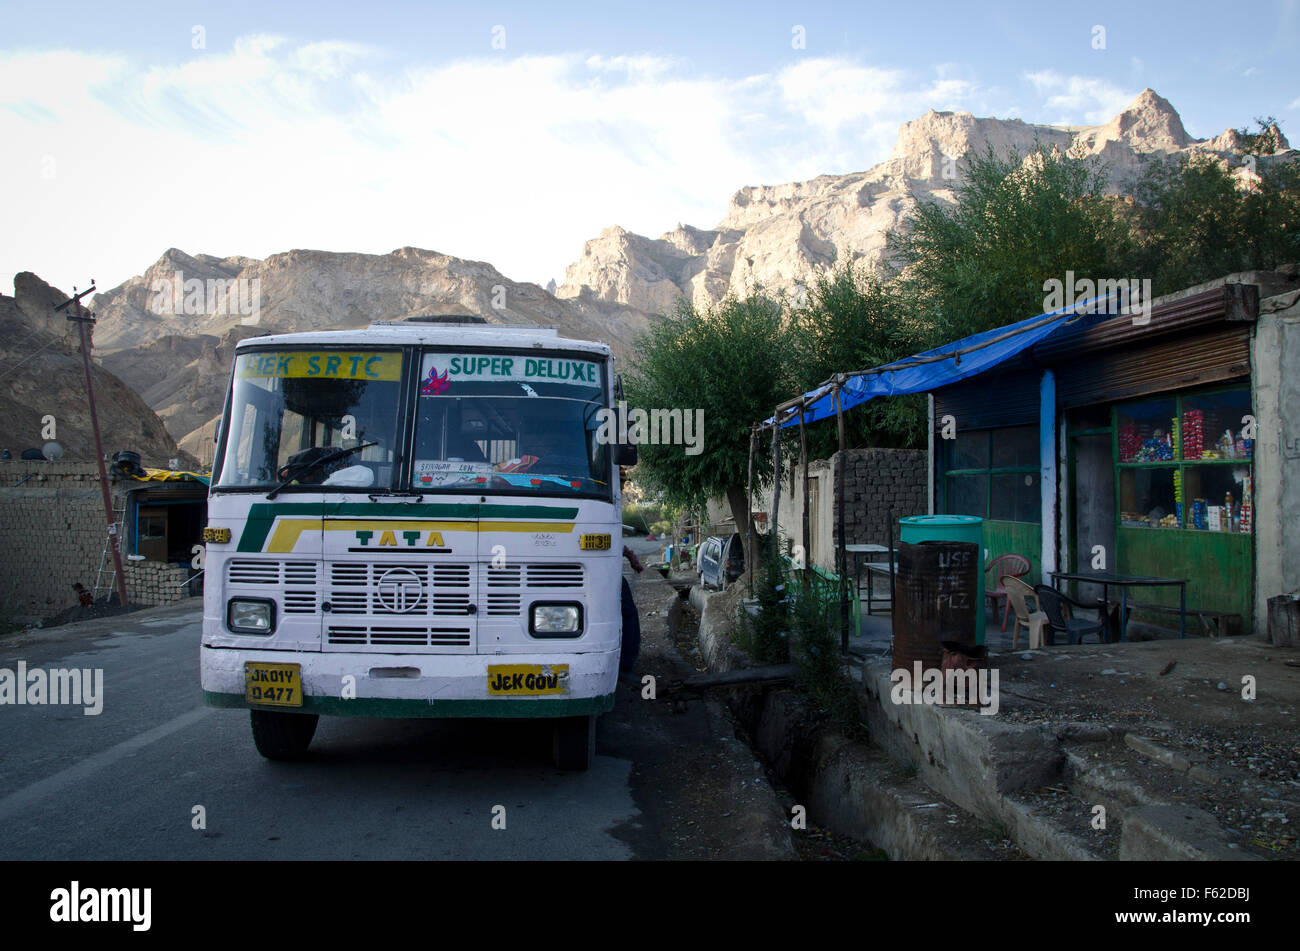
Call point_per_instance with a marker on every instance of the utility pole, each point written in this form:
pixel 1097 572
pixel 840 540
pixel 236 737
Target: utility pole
pixel 77 317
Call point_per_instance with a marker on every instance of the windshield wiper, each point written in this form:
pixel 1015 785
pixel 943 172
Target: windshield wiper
pixel 324 460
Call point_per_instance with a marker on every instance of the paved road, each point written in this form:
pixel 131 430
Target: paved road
pixel 124 784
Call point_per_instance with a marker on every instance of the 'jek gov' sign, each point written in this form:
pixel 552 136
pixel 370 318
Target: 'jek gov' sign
pixel 441 371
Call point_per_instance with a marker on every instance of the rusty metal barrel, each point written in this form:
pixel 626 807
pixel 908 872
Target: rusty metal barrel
pixel 936 600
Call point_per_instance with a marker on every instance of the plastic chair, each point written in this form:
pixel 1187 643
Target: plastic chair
pixel 1020 596
pixel 1003 566
pixel 1057 608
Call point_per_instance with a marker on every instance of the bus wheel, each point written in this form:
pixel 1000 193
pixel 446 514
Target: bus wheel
pixel 574 744
pixel 283 735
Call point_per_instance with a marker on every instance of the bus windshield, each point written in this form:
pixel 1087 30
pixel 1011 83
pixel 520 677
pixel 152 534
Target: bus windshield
pixel 312 417
pixel 501 422
pixel 510 422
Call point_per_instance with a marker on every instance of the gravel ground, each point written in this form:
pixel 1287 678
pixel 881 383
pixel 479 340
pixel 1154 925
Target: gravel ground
pixel 1187 697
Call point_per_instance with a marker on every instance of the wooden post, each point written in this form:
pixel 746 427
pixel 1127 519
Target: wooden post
pixel 803 461
pixel 841 555
pixel 750 550
pixel 81 321
pixel 776 483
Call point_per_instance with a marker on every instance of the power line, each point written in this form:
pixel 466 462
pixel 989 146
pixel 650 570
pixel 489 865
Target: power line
pixel 28 357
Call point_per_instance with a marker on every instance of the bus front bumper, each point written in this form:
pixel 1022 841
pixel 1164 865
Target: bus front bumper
pixel 419 685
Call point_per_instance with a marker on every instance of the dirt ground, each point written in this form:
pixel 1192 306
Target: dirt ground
pixel 1218 717
pixel 1225 706
pixel 702 792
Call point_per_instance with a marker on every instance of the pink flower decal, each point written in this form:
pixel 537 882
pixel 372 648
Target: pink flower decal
pixel 434 384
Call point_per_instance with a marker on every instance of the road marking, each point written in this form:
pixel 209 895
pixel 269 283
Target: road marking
pixel 41 789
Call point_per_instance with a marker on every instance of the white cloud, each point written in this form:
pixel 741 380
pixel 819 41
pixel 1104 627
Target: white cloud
pixel 269 146
pixel 1078 100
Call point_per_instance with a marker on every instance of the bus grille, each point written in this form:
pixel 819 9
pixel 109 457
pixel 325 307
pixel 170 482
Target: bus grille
pixel 298 579
pixel 401 589
pixel 504 587
pixel 390 635
pixel 392 604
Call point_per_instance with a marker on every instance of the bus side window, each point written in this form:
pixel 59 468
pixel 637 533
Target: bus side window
pixel 244 447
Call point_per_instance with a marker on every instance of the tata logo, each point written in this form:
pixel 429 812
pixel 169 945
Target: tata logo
pixel 400 590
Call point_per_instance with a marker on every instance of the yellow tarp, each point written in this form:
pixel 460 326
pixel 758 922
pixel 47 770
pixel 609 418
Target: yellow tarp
pixel 169 475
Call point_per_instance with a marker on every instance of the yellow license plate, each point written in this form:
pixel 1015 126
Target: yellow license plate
pixel 275 685
pixel 527 680
pixel 595 542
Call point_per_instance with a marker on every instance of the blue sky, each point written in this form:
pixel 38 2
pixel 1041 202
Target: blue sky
pixel 369 126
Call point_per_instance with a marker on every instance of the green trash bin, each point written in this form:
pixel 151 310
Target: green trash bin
pixel 950 528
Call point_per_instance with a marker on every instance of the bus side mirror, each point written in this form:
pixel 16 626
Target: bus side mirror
pixel 625 454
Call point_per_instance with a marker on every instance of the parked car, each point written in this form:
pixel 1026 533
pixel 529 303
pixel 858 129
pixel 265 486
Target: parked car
pixel 722 560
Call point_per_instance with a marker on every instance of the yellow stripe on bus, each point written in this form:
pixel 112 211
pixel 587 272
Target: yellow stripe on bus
pixel 288 530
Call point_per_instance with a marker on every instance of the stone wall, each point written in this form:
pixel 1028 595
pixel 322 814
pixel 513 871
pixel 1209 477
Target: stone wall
pixel 155 582
pixel 878 482
pixel 52 533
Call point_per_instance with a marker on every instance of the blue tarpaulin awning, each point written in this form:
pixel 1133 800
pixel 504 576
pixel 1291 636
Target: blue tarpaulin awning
pixel 932 369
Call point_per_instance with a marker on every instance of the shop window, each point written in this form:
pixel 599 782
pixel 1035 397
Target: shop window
pixel 1015 497
pixel 1212 426
pixel 1015 448
pixel 1183 464
pixel 1145 431
pixel 993 473
pixel 1147 497
pixel 969 450
pixel 968 494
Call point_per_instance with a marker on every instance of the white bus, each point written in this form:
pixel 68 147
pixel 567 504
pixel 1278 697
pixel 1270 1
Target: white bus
pixel 417 519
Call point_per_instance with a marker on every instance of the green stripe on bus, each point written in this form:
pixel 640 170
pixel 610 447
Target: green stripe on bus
pixel 496 708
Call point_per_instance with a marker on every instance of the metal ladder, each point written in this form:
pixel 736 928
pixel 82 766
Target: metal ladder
pixel 106 577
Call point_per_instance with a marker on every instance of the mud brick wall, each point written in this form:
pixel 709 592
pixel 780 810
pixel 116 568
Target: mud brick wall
pixel 155 582
pixel 52 533
pixel 876 482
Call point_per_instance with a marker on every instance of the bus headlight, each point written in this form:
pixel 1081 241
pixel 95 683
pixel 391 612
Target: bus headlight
pixel 555 620
pixel 250 616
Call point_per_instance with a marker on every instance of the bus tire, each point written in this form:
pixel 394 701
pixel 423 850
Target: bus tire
pixel 283 736
pixel 574 743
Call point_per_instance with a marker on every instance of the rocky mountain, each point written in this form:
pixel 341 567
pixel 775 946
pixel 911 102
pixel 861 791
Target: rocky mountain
pixel 42 374
pixel 779 236
pixel 177 376
pixel 170 332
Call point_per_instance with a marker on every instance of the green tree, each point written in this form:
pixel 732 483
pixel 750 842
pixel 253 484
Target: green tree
pixel 853 321
pixel 982 262
pixel 729 361
pixel 1265 140
pixel 1198 218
